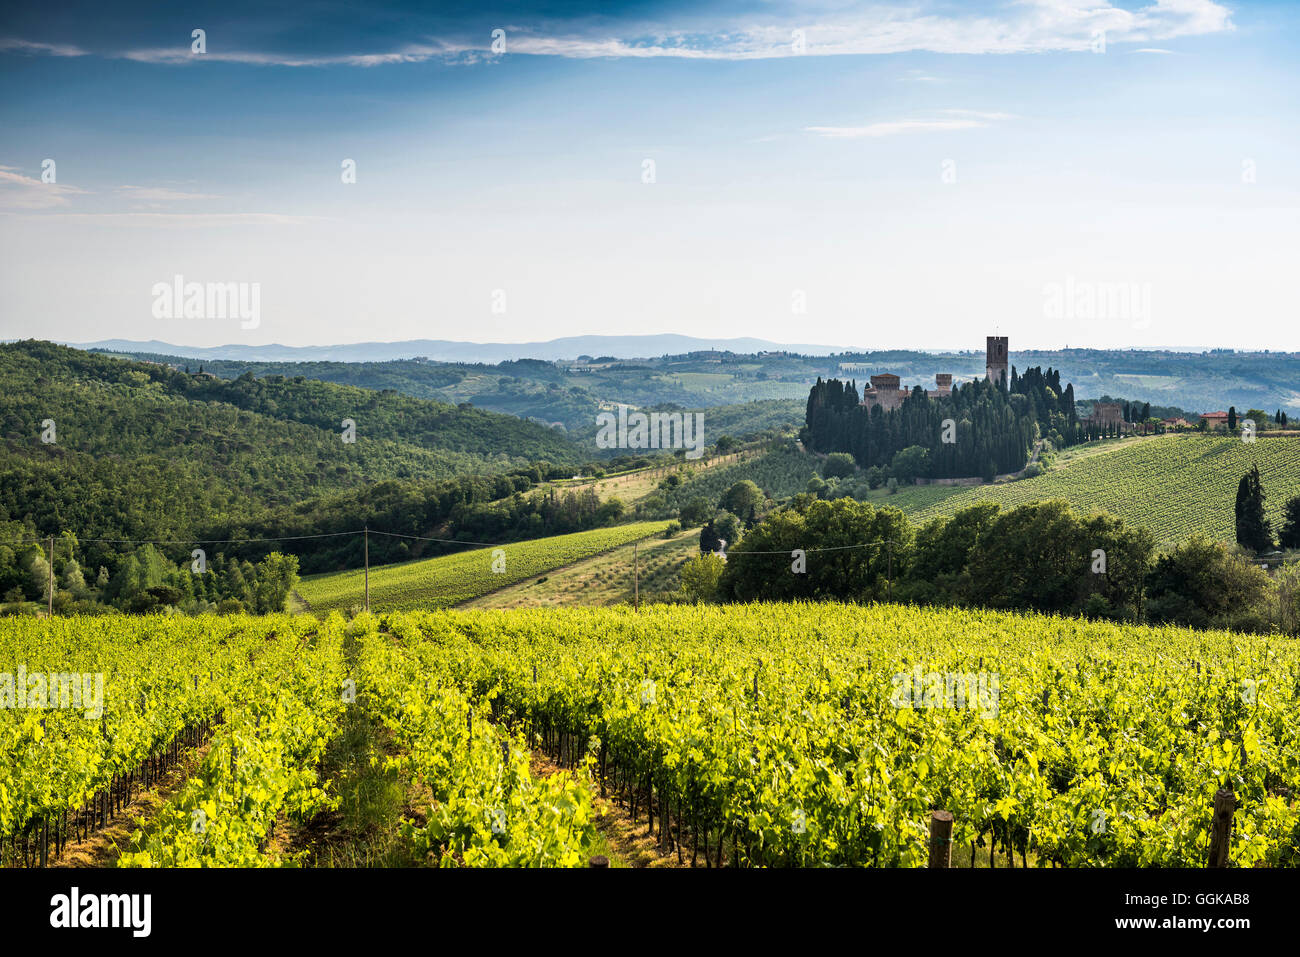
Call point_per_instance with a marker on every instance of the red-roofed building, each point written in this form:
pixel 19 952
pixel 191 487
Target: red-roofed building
pixel 1215 420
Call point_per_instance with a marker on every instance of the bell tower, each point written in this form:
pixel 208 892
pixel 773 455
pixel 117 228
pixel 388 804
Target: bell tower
pixel 996 354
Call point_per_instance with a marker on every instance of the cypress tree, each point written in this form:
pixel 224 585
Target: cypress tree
pixel 1289 536
pixel 1253 530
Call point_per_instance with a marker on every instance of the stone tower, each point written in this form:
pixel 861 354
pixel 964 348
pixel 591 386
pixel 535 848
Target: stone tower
pixel 996 367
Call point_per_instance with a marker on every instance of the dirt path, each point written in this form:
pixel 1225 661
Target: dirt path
pixel 103 848
pixel 631 844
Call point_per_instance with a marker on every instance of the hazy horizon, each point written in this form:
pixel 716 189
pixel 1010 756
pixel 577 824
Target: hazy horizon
pixel 836 347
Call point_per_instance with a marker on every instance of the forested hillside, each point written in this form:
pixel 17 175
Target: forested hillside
pixel 141 450
pixel 110 454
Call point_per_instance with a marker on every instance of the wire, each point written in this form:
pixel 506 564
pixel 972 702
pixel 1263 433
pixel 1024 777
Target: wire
pixel 376 531
pixel 183 541
pixel 447 541
pixel 828 548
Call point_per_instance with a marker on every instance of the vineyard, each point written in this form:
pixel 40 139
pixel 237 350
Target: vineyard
pixel 1173 485
pixel 759 735
pixel 781 471
pixel 452 579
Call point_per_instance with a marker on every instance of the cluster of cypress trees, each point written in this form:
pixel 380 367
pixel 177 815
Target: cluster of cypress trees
pixel 995 424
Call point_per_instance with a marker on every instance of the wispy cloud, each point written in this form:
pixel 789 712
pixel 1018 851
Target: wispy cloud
pixel 1153 50
pixel 160 194
pixel 1026 26
pixel 18 191
pixel 949 120
pixel 414 53
pixel 204 220
pixel 32 47
pixel 920 76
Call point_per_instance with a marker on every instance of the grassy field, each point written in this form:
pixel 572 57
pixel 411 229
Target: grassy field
pixel 605 579
pixel 453 579
pixel 1172 484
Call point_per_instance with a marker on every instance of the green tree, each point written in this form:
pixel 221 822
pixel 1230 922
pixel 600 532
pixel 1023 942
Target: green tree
pixel 729 528
pixel 1253 529
pixel 1047 557
pixel 277 575
pixel 699 577
pixel 694 513
pixel 767 567
pixel 709 539
pixel 1289 536
pixel 743 500
pixel 1203 584
pixel 910 463
pixel 839 465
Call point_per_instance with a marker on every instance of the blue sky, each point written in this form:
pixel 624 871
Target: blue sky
pixel 890 175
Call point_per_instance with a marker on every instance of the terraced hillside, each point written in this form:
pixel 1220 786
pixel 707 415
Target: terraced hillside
pixel 1172 484
pixel 451 579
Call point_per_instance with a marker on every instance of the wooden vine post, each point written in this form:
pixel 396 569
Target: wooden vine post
pixel 941 839
pixel 1225 803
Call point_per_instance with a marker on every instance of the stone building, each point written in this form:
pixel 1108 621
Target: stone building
pixel 1107 414
pixel 996 354
pixel 885 390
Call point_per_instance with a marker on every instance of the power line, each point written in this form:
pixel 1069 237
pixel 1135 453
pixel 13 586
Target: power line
pixel 184 541
pixel 375 531
pixel 827 548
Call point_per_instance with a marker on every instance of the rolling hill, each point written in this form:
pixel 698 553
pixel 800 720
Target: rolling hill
pixel 141 450
pixel 1173 484
pixel 453 579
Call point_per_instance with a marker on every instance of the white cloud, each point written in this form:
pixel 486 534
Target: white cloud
pixel 14 45
pixel 1025 26
pixel 159 194
pixel 893 128
pixel 184 219
pixel 409 54
pixel 25 192
pixel 954 119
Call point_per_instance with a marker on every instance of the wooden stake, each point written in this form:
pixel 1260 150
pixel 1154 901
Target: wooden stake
pixel 366 545
pixel 636 574
pixel 51 595
pixel 1225 803
pixel 941 839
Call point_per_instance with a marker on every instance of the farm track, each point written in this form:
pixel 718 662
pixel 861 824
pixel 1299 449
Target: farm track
pixel 102 848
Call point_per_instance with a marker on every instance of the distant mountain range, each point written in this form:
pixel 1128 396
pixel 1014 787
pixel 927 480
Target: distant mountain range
pixel 445 350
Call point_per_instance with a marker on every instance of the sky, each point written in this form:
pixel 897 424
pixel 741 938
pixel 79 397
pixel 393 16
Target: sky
pixel 882 175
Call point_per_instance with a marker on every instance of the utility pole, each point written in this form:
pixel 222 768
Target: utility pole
pixel 636 574
pixel 889 550
pixel 366 546
pixel 51 595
